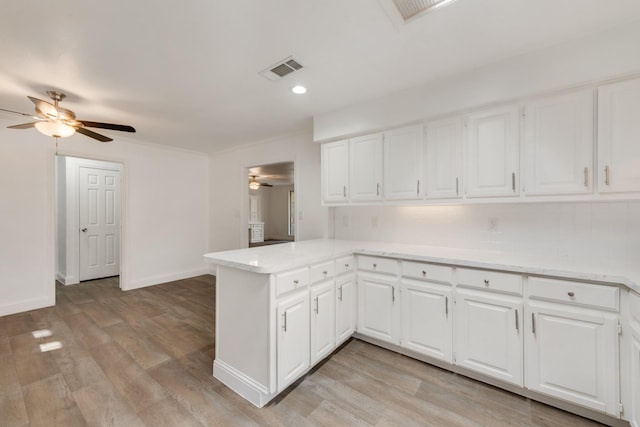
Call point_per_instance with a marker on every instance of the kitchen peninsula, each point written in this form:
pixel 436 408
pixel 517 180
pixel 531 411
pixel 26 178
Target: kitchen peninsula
pixel 515 321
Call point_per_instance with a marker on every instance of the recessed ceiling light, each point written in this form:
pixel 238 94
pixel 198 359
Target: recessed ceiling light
pixel 299 90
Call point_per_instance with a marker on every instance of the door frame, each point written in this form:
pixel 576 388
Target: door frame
pixel 73 220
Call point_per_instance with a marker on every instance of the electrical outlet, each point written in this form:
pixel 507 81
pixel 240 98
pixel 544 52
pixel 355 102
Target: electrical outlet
pixel 493 224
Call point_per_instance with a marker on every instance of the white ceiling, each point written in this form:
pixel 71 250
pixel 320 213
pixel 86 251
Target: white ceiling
pixel 186 73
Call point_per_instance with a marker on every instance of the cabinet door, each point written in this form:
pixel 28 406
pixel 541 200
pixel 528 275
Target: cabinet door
pixel 293 338
pixel 558 144
pixel 345 308
pixel 572 355
pixel 426 319
pixel 365 172
pixel 403 163
pixel 618 136
pixel 378 307
pixel 488 334
pixel 444 159
pixel 635 380
pixel 335 171
pixel 322 321
pixel 492 152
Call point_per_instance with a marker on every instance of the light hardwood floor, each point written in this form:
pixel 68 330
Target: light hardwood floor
pixel 144 358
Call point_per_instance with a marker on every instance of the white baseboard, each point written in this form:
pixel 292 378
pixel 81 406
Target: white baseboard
pixel 67 280
pixel 26 305
pixel 164 278
pixel 241 384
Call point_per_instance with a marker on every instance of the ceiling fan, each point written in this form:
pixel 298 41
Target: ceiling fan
pixel 53 120
pixel 254 185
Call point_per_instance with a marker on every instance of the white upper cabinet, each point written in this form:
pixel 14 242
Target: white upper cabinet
pixel 558 145
pixel 403 163
pixel 619 137
pixel 365 171
pixel 492 152
pixel 444 159
pixel 335 171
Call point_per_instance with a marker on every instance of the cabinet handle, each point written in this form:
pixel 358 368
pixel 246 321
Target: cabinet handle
pixel 486 282
pixel 325 272
pixel 346 266
pixel 393 294
pixel 317 306
pixel 344 191
pixel 418 188
pixel 377 188
pixel 284 323
pixel 513 181
pixel 340 296
pixel 606 175
pixel 533 323
pixel 457 187
pixel 586 177
pixel 517 324
pixel 446 306
pixel 571 294
pixel 375 265
pixel 424 272
pixel 295 282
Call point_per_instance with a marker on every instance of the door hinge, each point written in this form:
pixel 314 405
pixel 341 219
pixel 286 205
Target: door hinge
pixel 620 409
pixel 619 329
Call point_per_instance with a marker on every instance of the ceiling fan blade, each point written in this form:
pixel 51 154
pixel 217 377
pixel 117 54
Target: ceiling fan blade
pixel 46 109
pixel 22 126
pixel 123 128
pixel 92 134
pixel 264 184
pixel 20 114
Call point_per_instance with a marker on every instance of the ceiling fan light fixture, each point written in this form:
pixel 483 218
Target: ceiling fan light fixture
pixel 55 129
pixel 253 184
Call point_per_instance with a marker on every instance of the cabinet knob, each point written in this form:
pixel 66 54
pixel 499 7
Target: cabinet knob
pixel 571 294
pixel 375 265
pixel 346 265
pixel 424 273
pixel 324 272
pixel 295 282
pixel 486 282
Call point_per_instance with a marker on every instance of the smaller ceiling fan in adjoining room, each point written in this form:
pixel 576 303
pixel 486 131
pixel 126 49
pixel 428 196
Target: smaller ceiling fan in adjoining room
pixel 254 184
pixel 53 120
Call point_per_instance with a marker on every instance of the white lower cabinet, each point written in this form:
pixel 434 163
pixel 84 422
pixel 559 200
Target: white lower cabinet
pixel 427 318
pixel 322 320
pixel 293 338
pixel 488 334
pixel 635 379
pixel 345 307
pixel 572 354
pixel 379 307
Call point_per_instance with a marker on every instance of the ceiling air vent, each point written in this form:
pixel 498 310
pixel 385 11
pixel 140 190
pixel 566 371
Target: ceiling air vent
pixel 281 68
pixel 410 9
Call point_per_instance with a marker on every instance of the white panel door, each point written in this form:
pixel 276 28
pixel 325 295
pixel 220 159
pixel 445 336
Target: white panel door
pixel 635 380
pixel 99 214
pixel 403 163
pixel 322 320
pixel 365 168
pixel 335 171
pixel 572 354
pixel 558 144
pixel 492 152
pixel 488 334
pixel 345 307
pixel 444 159
pixel 378 307
pixel 293 338
pixel 618 136
pixel 427 319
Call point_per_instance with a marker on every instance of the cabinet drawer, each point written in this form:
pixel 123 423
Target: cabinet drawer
pixel 599 296
pixel 345 264
pixel 322 271
pixel 377 264
pixel 430 272
pixel 291 280
pixel 490 280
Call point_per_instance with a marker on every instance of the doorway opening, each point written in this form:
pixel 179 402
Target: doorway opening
pixel 88 219
pixel 271 204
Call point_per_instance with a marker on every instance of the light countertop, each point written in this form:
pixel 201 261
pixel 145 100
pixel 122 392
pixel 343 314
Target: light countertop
pixel 287 256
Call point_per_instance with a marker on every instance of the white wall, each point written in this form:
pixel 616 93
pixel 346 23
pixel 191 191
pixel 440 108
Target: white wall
pixel 165 213
pixel 229 202
pixel 591 59
pixel 599 234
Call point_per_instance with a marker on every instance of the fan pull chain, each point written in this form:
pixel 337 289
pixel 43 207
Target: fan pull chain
pixel 57 139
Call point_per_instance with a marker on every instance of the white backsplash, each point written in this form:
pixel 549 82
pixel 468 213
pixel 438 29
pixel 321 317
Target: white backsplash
pixel 602 232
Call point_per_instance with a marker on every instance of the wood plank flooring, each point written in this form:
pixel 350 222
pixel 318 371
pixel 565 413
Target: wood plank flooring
pixel 144 358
